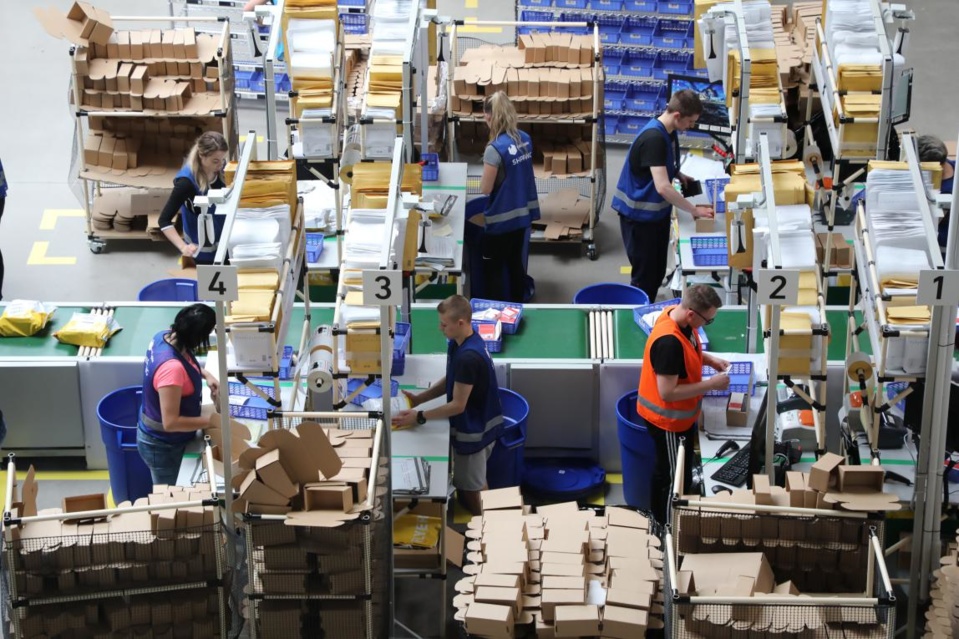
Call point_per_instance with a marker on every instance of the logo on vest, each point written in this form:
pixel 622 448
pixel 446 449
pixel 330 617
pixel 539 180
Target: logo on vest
pixel 512 149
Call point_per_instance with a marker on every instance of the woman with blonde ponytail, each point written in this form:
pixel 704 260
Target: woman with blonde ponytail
pixel 202 171
pixel 513 202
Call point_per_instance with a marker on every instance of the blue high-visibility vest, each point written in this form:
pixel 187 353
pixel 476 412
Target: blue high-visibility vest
pixel 476 427
pixel 190 217
pixel 638 199
pixel 151 419
pixel 514 204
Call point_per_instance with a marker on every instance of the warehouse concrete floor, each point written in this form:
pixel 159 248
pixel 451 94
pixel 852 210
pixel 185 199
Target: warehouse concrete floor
pixel 42 233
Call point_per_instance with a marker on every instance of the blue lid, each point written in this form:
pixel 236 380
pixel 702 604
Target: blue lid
pixel 562 478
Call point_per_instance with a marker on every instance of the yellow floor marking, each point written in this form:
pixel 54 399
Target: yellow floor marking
pixel 471 4
pixel 614 478
pixel 259 138
pixel 50 216
pixel 469 28
pixel 460 514
pixel 625 270
pixel 597 500
pixel 38 257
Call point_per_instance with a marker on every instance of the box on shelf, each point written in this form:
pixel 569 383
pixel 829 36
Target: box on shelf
pixel 842 253
pixel 737 410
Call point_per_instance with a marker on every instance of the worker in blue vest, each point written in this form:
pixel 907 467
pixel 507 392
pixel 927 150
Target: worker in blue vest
pixel 513 202
pixel 472 401
pixel 203 171
pixel 645 197
pixel 172 409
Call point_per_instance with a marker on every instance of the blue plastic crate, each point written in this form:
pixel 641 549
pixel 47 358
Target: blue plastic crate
pixel 639 311
pixel 610 35
pixel 715 189
pixel 286 363
pixel 256 82
pixel 355 23
pixel 314 247
pixel 643 97
pixel 240 389
pixel 671 63
pixel 639 64
pixel 282 83
pixel 671 34
pixel 242 78
pixel 570 4
pixel 536 3
pixel 493 346
pixel 613 60
pixel 639 6
pixel 674 7
pixel 614 94
pixel 508 329
pixel 536 16
pixel 610 122
pixel 605 5
pixel 691 70
pixel 740 379
pixel 351 3
pixel 709 250
pixel 632 124
pixel 401 335
pixel 638 31
pixel 431 168
pixel 255 406
pixel 373 391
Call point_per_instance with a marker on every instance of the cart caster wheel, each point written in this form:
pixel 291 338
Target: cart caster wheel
pixel 97 247
pixel 592 253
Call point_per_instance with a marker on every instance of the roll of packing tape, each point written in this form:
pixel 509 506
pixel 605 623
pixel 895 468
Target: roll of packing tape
pixel 319 378
pixel 790 144
pixel 352 154
pixel 858 364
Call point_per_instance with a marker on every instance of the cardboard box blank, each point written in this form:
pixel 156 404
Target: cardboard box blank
pixel 270 471
pixel 576 621
pixel 512 597
pixel 823 472
pixel 502 498
pixel 489 620
pixel 550 600
pixel 624 623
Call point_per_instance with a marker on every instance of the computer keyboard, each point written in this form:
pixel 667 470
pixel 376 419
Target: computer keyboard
pixel 734 471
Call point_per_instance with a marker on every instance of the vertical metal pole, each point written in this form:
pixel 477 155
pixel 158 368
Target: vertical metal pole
pixel 272 150
pixel 224 409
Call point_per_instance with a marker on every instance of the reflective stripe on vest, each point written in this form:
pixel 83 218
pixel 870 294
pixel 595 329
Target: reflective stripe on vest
pixel 639 205
pixel 499 218
pixel 152 423
pixel 472 438
pixel 670 413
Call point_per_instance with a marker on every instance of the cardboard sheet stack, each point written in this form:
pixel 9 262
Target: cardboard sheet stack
pixel 794 30
pixel 125 551
pixel 547 75
pixel 563 213
pixel 942 617
pixel 560 572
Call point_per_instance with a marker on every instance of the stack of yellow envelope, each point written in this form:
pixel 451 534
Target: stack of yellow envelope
pixel 267 184
pixel 859 77
pixel 909 314
pixel 253 305
pixel 371 183
pixel 385 83
pixel 258 279
pixel 313 9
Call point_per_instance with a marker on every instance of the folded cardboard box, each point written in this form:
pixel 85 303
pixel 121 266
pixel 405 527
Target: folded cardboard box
pixel 824 473
pixel 490 620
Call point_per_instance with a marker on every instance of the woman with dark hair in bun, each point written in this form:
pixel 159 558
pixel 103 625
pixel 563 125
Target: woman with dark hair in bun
pixel 172 391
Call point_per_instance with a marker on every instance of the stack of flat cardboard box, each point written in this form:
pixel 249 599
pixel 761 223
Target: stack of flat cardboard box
pixel 942 616
pixel 560 572
pixel 563 214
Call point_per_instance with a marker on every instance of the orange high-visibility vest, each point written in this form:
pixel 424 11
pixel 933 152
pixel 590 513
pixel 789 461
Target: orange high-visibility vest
pixel 671 416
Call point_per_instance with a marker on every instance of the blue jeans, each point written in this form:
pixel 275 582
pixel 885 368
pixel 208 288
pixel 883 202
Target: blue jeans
pixel 162 458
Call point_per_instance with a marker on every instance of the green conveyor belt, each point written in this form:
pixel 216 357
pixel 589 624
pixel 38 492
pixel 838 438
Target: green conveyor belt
pixel 543 334
pixel 43 344
pixel 140 324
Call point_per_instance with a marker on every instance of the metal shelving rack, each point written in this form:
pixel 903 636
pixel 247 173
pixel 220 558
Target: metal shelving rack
pixel 593 185
pixel 95 182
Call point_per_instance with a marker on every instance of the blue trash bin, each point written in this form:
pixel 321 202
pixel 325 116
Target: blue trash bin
pixel 129 476
pixel 611 293
pixel 169 290
pixel 505 465
pixel 637 452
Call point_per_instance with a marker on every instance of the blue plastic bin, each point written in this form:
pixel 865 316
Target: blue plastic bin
pixel 118 412
pixel 643 97
pixel 169 290
pixel 672 7
pixel 637 452
pixel 639 64
pixel 614 95
pixel 613 61
pixel 611 293
pixel 610 124
pixel 709 250
pixel 431 168
pixel 638 30
pixel 505 465
pixel 314 247
pixel 632 124
pixel 401 335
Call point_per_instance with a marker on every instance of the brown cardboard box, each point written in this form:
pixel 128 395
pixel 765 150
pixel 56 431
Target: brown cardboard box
pixel 270 471
pixel 576 621
pixel 713 571
pixel 189 43
pixel 327 496
pixel 91 149
pixel 136 45
pixel 842 253
pixel 562 570
pixel 166 45
pixel 823 473
pixel 865 479
pixel 796 486
pixel 153 48
pixel 138 79
pixel 740 416
pixel 489 620
pixel 762 491
pixel 512 597
pixel 564 583
pixel 550 600
pixel 83 24
pixel 120 155
pixel 624 623
pixel 256 492
pixel 502 498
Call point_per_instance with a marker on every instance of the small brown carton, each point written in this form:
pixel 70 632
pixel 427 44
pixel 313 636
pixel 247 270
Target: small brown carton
pixel 864 479
pixel 796 486
pixel 823 473
pixel 551 600
pixel 166 45
pixel 91 149
pixel 270 471
pixel 136 45
pixel 737 410
pixel 120 155
pixel 123 45
pixel 327 496
pixel 254 491
pixel 762 490
pixel 512 597
pixel 624 623
pixel 489 620
pixel 502 498
pixel 576 620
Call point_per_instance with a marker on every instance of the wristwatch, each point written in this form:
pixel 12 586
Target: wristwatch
pixel 420 417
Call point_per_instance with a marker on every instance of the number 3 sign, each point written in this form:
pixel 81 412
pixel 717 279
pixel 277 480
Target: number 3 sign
pixel 777 287
pixel 382 288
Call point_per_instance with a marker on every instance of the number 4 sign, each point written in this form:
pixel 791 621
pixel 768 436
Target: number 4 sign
pixel 382 288
pixel 778 287
pixel 217 283
pixel 938 288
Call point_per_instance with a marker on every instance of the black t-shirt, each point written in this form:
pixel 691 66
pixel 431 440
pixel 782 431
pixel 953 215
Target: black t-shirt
pixel 666 354
pixel 650 150
pixel 472 369
pixel 183 193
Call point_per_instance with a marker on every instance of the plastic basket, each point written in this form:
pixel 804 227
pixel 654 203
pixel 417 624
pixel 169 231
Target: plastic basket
pixel 373 391
pixel 639 64
pixel 536 3
pixel 176 289
pixel 639 311
pixel 670 62
pixel 672 7
pixel 605 5
pixel 638 30
pixel 242 78
pixel 536 16
pixel 431 167
pixel 355 23
pixel 570 4
pixel 671 34
pixel 643 97
pixel 493 346
pixel 709 250
pixel 640 6
pixel 314 247
pixel 610 122
pixel 717 186
pixel 614 95
pixel 401 335
pixel 482 305
pixel 286 363
pixel 282 83
pixel 610 35
pixel 740 379
pixel 256 82
pixel 632 124
pixel 612 61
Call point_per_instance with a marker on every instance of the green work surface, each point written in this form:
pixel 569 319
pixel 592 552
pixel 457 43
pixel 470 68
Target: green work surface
pixel 140 324
pixel 543 334
pixel 43 344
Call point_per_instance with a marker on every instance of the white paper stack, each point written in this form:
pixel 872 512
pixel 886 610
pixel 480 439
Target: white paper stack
pixel 311 45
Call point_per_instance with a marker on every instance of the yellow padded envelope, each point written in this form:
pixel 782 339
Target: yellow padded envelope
pixel 258 279
pixel 909 314
pixel 254 304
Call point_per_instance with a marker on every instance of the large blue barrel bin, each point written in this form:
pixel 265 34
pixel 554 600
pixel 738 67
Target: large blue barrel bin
pixel 129 476
pixel 169 290
pixel 505 465
pixel 611 293
pixel 637 451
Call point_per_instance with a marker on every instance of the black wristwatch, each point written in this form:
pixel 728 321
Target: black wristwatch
pixel 420 417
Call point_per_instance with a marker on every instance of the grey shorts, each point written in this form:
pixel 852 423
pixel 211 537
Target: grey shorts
pixel 469 471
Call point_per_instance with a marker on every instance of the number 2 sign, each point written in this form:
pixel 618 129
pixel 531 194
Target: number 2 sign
pixel 778 287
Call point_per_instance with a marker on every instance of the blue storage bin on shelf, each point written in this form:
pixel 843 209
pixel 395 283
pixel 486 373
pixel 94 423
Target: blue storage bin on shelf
pixel 479 305
pixel 373 391
pixel 671 63
pixel 640 6
pixel 675 7
pixel 638 30
pixel 401 335
pixel 647 328
pixel 610 122
pixel 605 5
pixel 709 250
pixel 431 167
pixel 570 4
pixel 614 95
pixel 639 64
pixel 286 363
pixel 314 247
pixel 613 61
pixel 671 34
pixel 716 192
pixel 740 379
pixel 610 34
pixel 256 82
pixel 282 83
pixel 536 16
pixel 643 97
pixel 632 124
pixel 242 78
pixel 536 3
pixel 355 23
